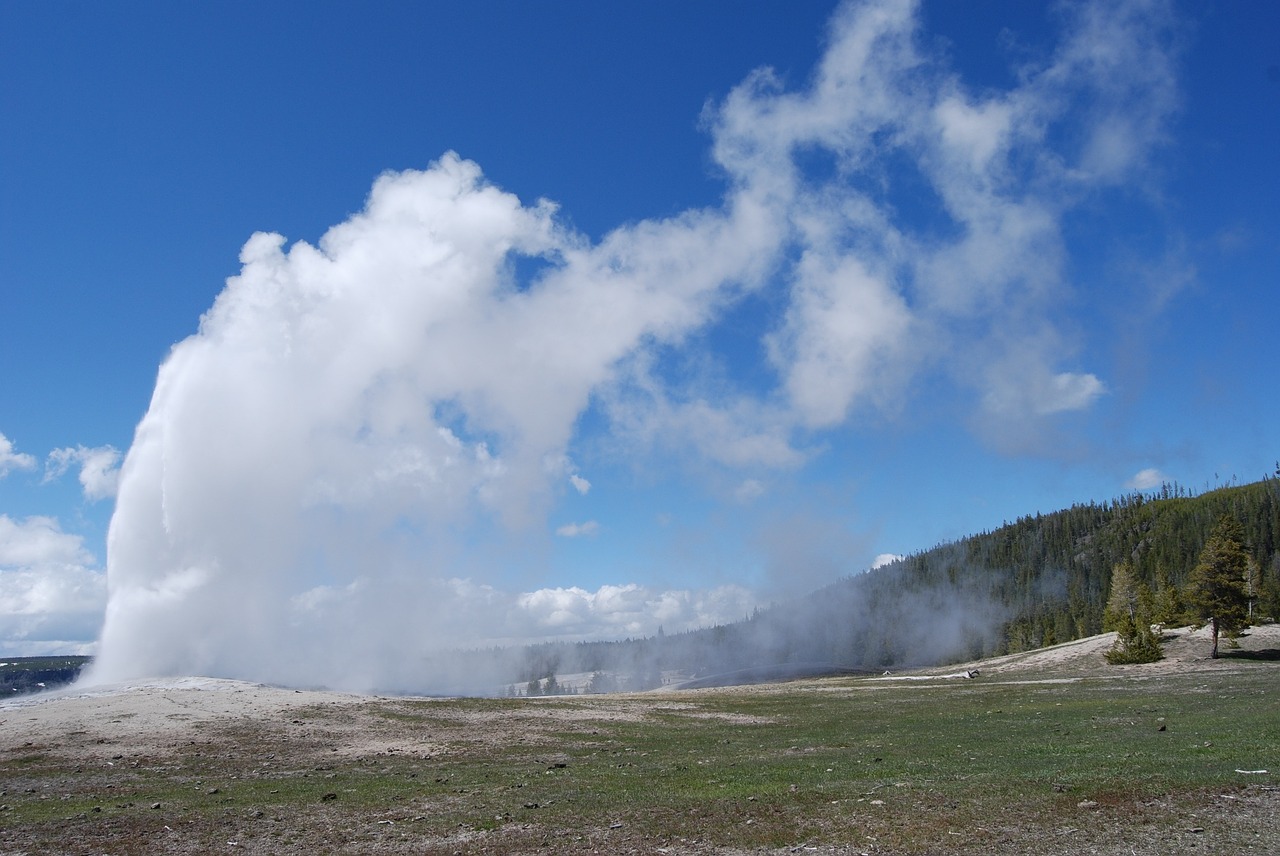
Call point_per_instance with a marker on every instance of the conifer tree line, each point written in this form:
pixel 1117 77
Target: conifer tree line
pixel 1130 564
pixel 1144 561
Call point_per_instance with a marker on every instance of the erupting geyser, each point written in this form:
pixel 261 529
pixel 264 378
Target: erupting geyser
pixel 337 472
pixel 349 414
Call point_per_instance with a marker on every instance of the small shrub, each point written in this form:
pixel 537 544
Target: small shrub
pixel 1142 645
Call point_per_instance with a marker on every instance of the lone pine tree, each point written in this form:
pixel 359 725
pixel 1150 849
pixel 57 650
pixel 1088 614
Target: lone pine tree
pixel 1216 591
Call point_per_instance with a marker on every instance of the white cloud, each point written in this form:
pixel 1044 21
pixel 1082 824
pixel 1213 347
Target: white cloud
pixel 37 542
pixel 1043 395
pixel 843 330
pixel 1068 391
pixel 617 611
pixel 580 484
pixel 51 596
pixel 886 559
pixel 1121 52
pixel 578 530
pixel 974 133
pixel 1147 479
pixel 99 469
pixel 1021 392
pixel 13 460
pixel 876 296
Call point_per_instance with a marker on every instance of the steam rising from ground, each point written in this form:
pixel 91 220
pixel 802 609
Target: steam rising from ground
pixel 333 469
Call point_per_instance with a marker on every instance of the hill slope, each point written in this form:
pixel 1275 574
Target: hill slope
pixel 1038 581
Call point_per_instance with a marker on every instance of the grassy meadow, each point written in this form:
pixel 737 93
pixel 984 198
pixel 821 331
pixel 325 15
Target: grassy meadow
pixel 1115 761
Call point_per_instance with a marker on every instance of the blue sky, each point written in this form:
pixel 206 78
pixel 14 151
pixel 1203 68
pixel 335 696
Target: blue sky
pixel 943 266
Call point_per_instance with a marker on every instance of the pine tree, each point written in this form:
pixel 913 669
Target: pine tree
pixel 1122 606
pixel 1128 613
pixel 1216 590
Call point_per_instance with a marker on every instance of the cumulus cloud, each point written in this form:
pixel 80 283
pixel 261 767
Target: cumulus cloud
pixel 355 420
pixel 13 460
pixel 580 484
pixel 618 611
pixel 99 469
pixel 51 595
pixel 886 559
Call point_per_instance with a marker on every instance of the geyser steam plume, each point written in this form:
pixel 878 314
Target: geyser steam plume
pixel 348 412
pixel 309 496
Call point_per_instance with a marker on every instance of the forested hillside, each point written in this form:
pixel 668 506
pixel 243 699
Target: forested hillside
pixel 1037 581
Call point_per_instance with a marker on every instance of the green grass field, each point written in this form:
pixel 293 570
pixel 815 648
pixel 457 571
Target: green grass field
pixel 1105 763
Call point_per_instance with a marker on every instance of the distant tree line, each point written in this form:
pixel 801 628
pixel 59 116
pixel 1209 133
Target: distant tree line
pixel 23 675
pixel 1040 580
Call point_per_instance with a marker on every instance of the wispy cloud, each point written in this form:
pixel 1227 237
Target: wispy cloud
pixel 578 530
pixel 10 459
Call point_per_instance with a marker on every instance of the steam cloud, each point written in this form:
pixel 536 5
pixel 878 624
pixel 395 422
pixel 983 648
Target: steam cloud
pixel 336 469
